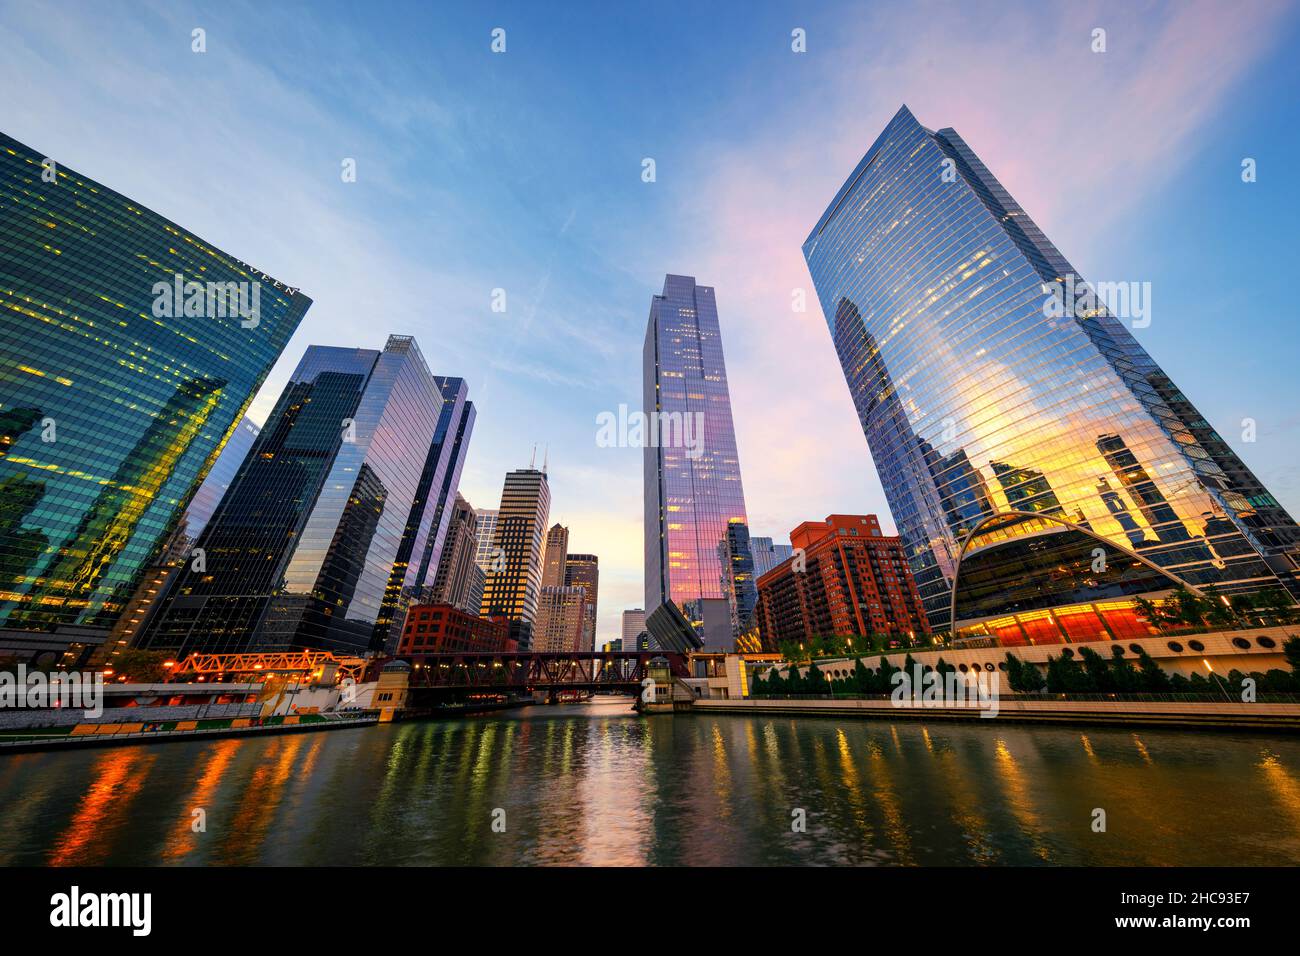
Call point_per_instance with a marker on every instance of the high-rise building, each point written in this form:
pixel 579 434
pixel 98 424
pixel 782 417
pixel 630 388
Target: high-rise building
pixel 557 555
pixel 426 524
pixel 486 555
pixel 561 619
pixel 737 565
pixel 853 581
pixel 458 580
pixel 1019 443
pixel 633 627
pixel 692 471
pixel 214 487
pixel 514 572
pixel 583 570
pixel 767 555
pixel 301 549
pixel 122 375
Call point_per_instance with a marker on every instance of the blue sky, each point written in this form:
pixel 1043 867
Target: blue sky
pixel 522 171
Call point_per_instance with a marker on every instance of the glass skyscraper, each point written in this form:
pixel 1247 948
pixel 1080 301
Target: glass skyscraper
pixel 693 490
pixel 115 400
pixel 426 525
pixel 301 549
pixel 1041 468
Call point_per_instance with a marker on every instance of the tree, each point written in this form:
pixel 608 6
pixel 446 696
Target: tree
pixel 1150 676
pixel 1097 670
pixel 815 681
pixel 1291 650
pixel 885 676
pixel 862 678
pixel 140 666
pixel 1123 675
pixel 1065 676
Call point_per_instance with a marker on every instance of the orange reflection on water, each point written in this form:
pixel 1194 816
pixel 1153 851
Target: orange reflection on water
pixel 118 777
pixel 1018 798
pixel 183 838
pixel 261 799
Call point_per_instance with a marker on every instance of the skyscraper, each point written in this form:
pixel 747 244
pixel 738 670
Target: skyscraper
pixel 1014 440
pixel 633 627
pixel 692 471
pixel 214 487
pixel 426 524
pixel 458 580
pixel 301 549
pixel 583 570
pixel 116 395
pixel 561 619
pixel 557 555
pixel 514 576
pixel 767 555
pixel 486 554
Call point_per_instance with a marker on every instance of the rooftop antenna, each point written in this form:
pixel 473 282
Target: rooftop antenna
pixel 546 458
pixel 532 462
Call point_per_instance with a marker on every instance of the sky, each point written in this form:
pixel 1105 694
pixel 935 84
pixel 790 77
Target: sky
pixel 522 170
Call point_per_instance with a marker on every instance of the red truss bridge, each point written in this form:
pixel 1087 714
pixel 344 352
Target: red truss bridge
pixel 528 671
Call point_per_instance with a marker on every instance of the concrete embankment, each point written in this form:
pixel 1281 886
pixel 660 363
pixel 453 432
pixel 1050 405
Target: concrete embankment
pixel 116 735
pixel 1271 717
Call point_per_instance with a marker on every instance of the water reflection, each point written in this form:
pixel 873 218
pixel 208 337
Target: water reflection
pixel 592 785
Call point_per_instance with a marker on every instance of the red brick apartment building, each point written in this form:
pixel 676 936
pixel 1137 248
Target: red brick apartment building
pixel 445 629
pixel 854 580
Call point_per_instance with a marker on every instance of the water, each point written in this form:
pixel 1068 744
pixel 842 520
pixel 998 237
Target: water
pixel 591 785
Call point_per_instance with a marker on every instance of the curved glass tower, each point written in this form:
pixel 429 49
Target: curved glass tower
pixel 976 402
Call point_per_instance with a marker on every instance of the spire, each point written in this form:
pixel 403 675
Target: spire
pixel 532 462
pixel 546 458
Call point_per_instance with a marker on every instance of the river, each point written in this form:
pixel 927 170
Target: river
pixel 591 784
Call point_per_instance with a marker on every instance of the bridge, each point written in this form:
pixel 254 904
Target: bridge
pixel 539 671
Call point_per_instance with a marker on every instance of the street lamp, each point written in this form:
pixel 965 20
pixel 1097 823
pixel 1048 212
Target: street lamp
pixel 1217 678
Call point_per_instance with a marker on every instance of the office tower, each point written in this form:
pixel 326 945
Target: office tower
pixel 557 555
pixel 300 550
pixel 223 472
pixel 737 564
pixel 583 570
pixel 853 581
pixel 561 619
pixel 692 471
pixel 426 524
pixel 767 555
pixel 487 527
pixel 992 414
pixel 458 580
pixel 116 395
pixel 633 627
pixel 514 567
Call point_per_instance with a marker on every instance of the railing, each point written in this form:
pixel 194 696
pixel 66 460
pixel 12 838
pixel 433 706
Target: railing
pixel 1203 698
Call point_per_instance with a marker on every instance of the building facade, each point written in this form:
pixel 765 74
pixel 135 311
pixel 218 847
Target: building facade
pixel 116 394
pixel 583 571
pixel 633 628
pixel 1013 438
pixel 426 524
pixel 767 555
pixel 444 629
pixel 458 580
pixel 514 573
pixel 848 579
pixel 693 490
pixel 561 619
pixel 486 555
pixel 301 549
pixel 556 556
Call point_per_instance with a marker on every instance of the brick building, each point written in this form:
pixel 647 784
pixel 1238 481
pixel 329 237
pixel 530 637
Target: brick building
pixel 444 629
pixel 845 577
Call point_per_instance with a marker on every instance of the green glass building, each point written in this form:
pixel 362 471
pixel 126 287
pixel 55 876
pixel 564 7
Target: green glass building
pixel 129 350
